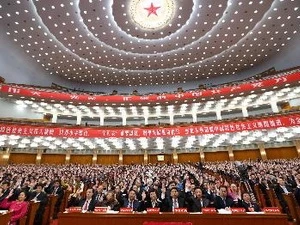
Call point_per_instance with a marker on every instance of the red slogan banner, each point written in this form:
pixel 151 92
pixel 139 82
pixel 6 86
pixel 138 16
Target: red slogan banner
pixel 84 98
pixel 153 132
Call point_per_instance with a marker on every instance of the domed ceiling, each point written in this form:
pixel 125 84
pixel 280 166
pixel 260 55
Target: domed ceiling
pixel 149 42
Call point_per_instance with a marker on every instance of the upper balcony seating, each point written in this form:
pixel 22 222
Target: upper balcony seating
pixel 271 73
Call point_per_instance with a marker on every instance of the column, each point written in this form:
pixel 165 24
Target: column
pixel 78 119
pixel 202 156
pixel 38 156
pixel 95 157
pixel 274 105
pixel 54 118
pixel 194 115
pixel 146 157
pixel 218 114
pixel 245 111
pixel 68 156
pixel 297 144
pixel 101 116
pixel 230 153
pixel 120 157
pixel 124 120
pixel 262 151
pixel 5 156
pixel 101 120
pixel 175 156
pixel 171 119
pixel 146 120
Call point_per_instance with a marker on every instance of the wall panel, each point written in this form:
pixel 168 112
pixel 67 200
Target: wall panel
pixel 216 156
pixel 272 153
pixel 133 159
pixel 188 157
pixel 167 159
pixel 2 160
pixel 18 158
pixel 53 159
pixel 81 159
pixel 281 153
pixel 107 159
pixel 246 154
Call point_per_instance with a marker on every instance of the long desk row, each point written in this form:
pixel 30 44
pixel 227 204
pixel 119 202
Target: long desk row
pixel 195 219
pixel 5 218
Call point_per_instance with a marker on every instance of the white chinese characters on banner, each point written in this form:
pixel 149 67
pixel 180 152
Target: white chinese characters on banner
pixel 291 120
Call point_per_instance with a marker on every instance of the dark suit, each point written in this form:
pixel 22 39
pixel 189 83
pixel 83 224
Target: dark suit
pixel 56 191
pixel 279 190
pixel 168 206
pixel 99 198
pixel 81 203
pixel 43 199
pixel 90 207
pixel 297 195
pixel 196 204
pixel 211 196
pixel 250 205
pixel 59 192
pixel 5 193
pixel 222 204
pixel 144 205
pixel 115 205
pixel 135 205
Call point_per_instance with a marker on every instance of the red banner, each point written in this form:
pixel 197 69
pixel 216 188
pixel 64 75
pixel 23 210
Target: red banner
pixel 84 98
pixel 153 132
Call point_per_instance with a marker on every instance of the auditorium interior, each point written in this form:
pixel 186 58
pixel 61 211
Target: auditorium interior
pixel 140 98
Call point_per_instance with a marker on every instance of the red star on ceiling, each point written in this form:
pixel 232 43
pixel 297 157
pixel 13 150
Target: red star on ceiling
pixel 152 9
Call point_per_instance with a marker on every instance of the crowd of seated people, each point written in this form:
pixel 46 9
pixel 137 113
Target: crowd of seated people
pixel 18 206
pixel 139 187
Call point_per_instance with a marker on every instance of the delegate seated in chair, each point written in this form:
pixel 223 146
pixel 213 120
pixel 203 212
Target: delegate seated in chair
pixel 18 207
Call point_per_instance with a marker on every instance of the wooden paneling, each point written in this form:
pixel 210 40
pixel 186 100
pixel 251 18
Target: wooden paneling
pixel 188 157
pixel 281 153
pixel 107 159
pixel 216 156
pixel 81 159
pixel 53 159
pixel 2 160
pixel 18 158
pixel 246 154
pixel 272 153
pixel 133 159
pixel 153 159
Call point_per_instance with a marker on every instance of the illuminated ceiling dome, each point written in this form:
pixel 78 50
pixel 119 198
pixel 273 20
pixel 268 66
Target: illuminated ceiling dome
pixel 149 42
pixel 150 15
